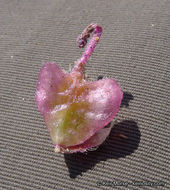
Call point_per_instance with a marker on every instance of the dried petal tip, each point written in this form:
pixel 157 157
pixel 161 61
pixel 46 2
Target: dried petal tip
pixel 81 42
pixel 57 149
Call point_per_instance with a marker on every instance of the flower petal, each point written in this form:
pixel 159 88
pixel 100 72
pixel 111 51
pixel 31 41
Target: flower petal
pixel 105 97
pixel 94 141
pixel 49 79
pixel 93 106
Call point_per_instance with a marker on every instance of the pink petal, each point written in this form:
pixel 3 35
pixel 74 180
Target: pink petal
pixel 94 141
pixel 78 119
pixel 105 97
pixel 50 77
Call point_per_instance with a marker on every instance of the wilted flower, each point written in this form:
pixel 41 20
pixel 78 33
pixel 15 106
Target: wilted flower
pixel 75 110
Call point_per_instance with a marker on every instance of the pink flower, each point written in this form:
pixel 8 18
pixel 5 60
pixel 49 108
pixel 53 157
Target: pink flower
pixel 74 109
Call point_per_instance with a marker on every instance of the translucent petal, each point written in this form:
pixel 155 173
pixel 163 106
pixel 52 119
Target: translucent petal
pixel 94 141
pixel 80 109
pixel 75 110
pixel 49 79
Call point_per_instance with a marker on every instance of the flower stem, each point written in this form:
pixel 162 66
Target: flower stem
pixel 82 40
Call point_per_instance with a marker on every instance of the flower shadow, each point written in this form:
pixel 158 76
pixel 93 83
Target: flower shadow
pixel 127 97
pixel 122 141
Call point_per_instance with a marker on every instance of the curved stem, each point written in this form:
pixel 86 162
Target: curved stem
pixel 82 40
